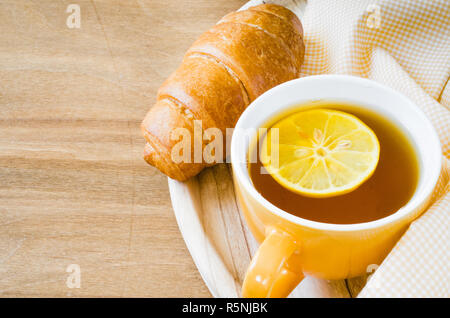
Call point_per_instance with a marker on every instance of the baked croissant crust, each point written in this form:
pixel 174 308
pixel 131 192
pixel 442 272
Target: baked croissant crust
pixel 242 56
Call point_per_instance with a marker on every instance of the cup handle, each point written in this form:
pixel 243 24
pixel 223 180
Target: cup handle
pixel 275 270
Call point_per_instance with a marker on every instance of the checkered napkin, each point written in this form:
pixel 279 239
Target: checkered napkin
pixel 404 44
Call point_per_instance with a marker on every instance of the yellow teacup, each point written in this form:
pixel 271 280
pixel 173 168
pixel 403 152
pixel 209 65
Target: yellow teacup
pixel 293 247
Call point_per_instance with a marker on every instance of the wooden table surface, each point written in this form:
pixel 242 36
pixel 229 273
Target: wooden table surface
pixel 74 188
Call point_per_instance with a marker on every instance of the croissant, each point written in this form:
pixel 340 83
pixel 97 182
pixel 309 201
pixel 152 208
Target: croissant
pixel 246 53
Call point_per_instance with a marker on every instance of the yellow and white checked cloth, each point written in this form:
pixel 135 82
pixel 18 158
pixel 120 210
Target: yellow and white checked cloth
pixel 404 44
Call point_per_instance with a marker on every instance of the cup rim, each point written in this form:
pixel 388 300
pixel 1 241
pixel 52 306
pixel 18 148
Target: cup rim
pixel 413 204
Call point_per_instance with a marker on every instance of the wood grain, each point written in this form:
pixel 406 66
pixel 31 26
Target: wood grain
pixel 73 186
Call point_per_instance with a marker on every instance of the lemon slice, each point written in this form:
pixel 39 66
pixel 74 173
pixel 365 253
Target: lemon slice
pixel 321 152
